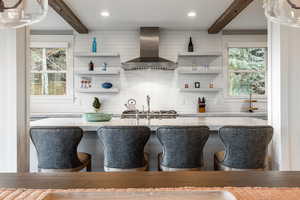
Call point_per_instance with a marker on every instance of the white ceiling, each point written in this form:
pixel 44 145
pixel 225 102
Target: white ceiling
pixel 169 14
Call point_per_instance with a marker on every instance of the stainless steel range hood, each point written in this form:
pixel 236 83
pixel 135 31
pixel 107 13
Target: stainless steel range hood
pixel 149 53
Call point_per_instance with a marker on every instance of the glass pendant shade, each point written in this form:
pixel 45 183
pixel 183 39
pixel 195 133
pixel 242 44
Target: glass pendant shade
pixel 18 13
pixel 283 11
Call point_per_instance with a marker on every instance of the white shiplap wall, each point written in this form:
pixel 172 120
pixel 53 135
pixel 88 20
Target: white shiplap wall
pixel 161 85
pixel 13 124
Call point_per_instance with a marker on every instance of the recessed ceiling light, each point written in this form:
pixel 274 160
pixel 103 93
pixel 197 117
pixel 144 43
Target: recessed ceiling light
pixel 105 14
pixel 192 14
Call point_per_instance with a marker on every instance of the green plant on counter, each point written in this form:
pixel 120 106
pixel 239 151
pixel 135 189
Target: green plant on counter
pixel 96 104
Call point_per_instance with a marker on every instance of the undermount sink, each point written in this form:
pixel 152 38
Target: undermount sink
pixel 97 117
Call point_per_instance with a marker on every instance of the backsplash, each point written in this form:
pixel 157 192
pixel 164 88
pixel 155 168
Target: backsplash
pixel 162 86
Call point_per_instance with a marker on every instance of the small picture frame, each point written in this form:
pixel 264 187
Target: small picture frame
pixel 197 84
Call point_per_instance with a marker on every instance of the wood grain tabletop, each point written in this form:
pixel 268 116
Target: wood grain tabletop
pixel 150 180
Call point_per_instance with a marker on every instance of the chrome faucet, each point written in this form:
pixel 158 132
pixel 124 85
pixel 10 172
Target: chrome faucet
pixel 148 104
pixel 137 116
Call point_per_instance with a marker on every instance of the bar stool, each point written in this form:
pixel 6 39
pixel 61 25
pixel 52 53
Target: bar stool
pixel 182 148
pixel 124 148
pixel 57 149
pixel 246 148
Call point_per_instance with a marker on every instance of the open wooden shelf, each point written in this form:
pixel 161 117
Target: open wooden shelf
pixel 89 54
pixel 199 70
pixel 110 71
pixel 98 90
pixel 201 54
pixel 201 89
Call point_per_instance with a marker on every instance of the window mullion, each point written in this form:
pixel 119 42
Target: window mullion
pixel 45 74
pixel 246 71
pixel 56 72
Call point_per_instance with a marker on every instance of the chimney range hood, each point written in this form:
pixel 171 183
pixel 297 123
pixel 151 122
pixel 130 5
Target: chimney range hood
pixel 149 53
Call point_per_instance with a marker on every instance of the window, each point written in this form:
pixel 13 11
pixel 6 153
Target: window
pixel 247 71
pixel 48 71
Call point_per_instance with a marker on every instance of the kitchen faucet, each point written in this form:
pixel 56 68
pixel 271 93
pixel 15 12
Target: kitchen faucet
pixel 137 116
pixel 148 104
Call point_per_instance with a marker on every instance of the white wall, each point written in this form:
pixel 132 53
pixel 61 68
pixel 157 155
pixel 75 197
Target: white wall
pixel 12 101
pixel 8 155
pixel 162 86
pixel 284 95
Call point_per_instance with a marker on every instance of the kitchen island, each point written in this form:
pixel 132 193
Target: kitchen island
pixel 92 145
pixel 214 123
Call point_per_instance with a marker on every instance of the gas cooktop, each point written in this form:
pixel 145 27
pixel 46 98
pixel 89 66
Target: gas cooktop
pixel 162 114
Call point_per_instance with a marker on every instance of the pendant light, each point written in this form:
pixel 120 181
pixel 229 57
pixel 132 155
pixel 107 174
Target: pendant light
pixel 18 13
pixel 283 11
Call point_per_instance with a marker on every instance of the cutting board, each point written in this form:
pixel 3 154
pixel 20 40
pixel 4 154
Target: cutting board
pixel 160 195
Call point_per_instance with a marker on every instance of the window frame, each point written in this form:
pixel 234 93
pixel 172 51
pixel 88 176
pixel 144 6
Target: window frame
pixel 64 42
pixel 227 70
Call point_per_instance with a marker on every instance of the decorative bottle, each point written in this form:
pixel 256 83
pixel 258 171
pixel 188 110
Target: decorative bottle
pixel 202 105
pixel 191 46
pixel 211 85
pixel 94 45
pixel 91 66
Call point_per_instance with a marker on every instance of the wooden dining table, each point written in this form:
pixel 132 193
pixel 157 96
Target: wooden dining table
pixel 149 180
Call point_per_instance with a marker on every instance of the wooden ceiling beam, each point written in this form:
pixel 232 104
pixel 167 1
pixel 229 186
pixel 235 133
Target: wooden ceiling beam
pixel 246 32
pixel 230 13
pixel 67 14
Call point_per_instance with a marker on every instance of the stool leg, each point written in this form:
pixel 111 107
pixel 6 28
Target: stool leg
pixel 89 166
pixel 216 167
pixel 158 161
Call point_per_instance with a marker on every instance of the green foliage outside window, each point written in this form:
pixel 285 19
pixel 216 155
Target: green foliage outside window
pixel 48 71
pixel 247 71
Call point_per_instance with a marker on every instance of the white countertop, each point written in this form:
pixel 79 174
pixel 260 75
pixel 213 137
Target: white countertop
pixel 214 123
pixel 207 114
pixel 226 114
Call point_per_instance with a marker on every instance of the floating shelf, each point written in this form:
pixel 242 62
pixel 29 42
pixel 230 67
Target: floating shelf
pixel 201 89
pixel 201 54
pixel 200 70
pixel 110 71
pixel 113 90
pixel 89 54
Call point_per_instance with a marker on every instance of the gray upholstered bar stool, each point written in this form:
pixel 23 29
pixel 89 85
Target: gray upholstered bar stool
pixel 57 149
pixel 124 148
pixel 246 148
pixel 182 148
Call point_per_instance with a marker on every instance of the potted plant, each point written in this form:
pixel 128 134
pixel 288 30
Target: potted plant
pixel 96 104
pixel 97 116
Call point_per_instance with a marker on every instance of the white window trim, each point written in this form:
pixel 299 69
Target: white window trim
pixel 60 42
pixel 49 45
pixel 261 98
